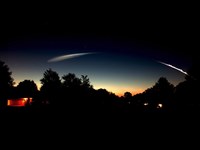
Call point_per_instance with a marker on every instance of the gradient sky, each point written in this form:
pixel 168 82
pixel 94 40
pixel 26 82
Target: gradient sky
pixel 126 43
pixel 117 66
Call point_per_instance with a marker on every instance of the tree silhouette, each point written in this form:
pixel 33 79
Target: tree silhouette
pixel 51 85
pixel 76 91
pixel 71 81
pixel 106 101
pixel 193 72
pixel 87 90
pixel 71 91
pixel 127 98
pixel 164 87
pixel 103 98
pixel 187 92
pixel 6 82
pixel 27 88
pixel 85 82
pixel 50 77
pixel 182 97
pixel 160 95
pixel 127 95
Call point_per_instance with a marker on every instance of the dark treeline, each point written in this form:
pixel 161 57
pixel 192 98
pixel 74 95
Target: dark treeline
pixel 72 94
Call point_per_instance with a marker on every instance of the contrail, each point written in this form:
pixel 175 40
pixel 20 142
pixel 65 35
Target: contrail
pixel 173 67
pixel 65 57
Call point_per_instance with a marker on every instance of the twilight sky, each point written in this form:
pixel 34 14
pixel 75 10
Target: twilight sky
pixel 124 52
pixel 118 67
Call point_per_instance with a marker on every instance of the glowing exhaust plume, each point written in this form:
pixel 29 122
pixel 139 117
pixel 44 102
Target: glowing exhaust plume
pixel 174 67
pixel 65 57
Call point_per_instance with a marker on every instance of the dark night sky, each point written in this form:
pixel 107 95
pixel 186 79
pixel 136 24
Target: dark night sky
pixel 125 45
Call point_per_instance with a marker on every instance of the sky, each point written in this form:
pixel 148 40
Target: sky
pixel 117 67
pixel 124 53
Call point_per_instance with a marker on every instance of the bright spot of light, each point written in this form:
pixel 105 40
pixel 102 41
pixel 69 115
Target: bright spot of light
pixel 145 104
pixel 160 106
pixel 25 99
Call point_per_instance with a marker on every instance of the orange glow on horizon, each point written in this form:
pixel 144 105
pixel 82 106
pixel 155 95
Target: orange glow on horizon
pixel 116 89
pixel 119 91
pixel 133 92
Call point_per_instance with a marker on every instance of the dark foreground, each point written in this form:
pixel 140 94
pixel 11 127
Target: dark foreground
pixel 64 124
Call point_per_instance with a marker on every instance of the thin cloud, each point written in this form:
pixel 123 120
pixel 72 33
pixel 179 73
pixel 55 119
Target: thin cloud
pixel 65 57
pixel 180 70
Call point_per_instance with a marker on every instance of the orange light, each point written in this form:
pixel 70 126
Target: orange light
pixel 20 102
pixel 31 100
pixel 16 102
pixel 9 102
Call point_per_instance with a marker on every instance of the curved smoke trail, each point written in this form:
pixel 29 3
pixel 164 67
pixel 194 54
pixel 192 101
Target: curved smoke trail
pixel 171 66
pixel 69 56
